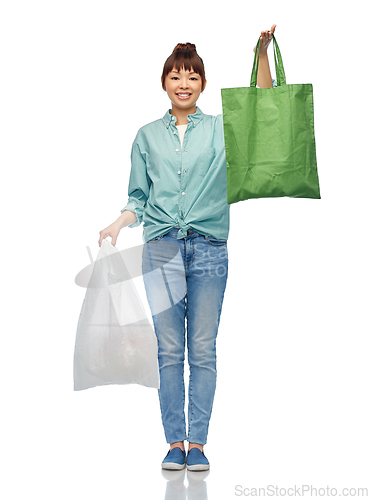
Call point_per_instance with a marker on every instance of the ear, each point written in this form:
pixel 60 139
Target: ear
pixel 205 82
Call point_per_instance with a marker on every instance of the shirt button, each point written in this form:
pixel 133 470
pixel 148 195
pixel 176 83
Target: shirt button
pixel 177 149
pixel 178 172
pixel 174 133
pixel 167 124
pixel 183 193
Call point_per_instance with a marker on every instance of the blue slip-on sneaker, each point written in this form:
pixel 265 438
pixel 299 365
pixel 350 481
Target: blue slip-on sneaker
pixel 196 460
pixel 175 459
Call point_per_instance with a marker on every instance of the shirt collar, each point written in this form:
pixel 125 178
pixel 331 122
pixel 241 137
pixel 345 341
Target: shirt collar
pixel 195 118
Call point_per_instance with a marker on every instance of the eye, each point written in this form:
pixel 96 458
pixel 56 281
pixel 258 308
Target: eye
pixel 175 78
pixel 193 78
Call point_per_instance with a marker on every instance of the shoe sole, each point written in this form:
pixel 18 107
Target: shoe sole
pixel 172 466
pixel 198 467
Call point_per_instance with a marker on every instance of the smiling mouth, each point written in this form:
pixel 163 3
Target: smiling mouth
pixel 183 96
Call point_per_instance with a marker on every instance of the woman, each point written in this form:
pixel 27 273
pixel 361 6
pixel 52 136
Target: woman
pixel 178 188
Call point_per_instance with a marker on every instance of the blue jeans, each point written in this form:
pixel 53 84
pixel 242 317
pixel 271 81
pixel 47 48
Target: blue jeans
pixel 186 278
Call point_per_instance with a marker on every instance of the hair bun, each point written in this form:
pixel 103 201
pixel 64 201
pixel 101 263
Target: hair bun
pixel 185 46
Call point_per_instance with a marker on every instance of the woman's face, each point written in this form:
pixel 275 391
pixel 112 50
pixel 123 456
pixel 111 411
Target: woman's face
pixel 183 87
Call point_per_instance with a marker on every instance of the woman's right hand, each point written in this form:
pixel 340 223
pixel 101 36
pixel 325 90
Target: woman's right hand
pixel 113 231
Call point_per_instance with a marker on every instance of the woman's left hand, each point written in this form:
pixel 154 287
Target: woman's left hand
pixel 265 39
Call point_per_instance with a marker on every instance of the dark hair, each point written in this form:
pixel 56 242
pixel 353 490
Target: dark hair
pixel 184 55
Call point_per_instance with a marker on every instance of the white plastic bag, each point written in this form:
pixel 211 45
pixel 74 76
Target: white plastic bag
pixel 115 343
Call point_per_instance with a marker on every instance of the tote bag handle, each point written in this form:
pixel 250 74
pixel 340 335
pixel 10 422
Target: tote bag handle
pixel 279 69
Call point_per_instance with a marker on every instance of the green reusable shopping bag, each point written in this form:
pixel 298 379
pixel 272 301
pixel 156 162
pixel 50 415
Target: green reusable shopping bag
pixel 269 138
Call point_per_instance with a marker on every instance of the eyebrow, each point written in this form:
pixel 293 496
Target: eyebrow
pixel 191 72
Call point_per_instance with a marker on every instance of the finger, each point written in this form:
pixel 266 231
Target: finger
pixel 102 238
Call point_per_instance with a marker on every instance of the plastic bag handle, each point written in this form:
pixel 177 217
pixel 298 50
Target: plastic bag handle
pixel 279 69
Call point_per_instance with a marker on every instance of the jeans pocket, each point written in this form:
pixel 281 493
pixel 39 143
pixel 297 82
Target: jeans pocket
pixel 215 242
pixel 157 238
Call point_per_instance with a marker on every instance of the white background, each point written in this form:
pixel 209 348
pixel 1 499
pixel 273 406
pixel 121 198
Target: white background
pixel 78 78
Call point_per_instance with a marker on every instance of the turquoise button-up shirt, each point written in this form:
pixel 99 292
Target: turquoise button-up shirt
pixel 186 186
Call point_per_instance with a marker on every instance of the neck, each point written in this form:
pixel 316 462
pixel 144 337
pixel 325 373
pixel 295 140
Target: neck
pixel 181 114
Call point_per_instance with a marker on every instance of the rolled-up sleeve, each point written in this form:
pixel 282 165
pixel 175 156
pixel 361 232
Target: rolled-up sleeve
pixel 139 183
pixel 274 84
